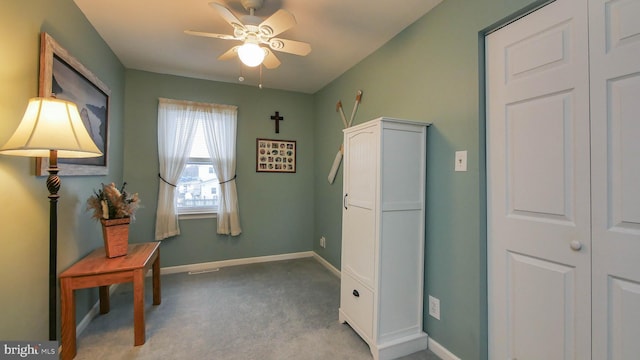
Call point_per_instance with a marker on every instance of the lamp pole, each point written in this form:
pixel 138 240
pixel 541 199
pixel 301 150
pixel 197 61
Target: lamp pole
pixel 53 185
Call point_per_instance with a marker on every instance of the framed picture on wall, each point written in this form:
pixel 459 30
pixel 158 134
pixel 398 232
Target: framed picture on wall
pixel 275 156
pixel 63 76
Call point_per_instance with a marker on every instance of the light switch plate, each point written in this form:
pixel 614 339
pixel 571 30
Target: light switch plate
pixel 461 161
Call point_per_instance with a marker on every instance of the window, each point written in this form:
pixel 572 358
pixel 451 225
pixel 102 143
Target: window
pixel 198 186
pixel 188 173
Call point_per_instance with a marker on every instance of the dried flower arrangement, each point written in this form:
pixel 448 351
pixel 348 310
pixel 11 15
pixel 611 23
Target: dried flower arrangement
pixel 113 203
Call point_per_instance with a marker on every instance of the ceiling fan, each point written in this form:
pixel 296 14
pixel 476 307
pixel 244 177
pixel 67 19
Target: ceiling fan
pixel 257 35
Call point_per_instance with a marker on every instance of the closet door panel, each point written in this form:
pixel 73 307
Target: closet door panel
pixel 624 317
pixel 614 35
pixel 546 320
pixel 538 187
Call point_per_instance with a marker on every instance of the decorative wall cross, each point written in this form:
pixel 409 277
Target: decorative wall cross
pixel 277 118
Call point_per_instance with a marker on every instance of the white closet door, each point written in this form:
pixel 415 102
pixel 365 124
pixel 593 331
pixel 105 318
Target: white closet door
pixel 538 186
pixel 615 127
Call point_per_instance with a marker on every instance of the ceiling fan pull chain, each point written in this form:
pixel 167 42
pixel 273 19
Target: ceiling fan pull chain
pixel 241 78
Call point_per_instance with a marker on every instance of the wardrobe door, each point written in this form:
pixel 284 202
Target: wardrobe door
pixel 614 35
pixel 359 204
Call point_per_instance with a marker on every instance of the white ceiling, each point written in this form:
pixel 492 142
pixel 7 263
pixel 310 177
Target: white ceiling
pixel 148 35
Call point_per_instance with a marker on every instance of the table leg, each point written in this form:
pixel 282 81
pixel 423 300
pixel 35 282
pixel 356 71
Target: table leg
pixel 138 307
pixel 68 315
pixel 104 299
pixel 156 280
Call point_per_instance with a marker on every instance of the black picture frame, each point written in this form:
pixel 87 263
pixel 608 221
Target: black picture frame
pixel 275 156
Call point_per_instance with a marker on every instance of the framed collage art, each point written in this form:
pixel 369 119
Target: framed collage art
pixel 275 156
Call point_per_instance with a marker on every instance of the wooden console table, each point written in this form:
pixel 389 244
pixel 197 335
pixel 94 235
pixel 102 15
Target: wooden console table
pixel 97 270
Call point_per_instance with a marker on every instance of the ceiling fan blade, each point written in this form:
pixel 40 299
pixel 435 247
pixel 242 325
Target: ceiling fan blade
pixel 280 21
pixel 212 35
pixel 227 15
pixel 229 54
pixel 290 46
pixel 271 61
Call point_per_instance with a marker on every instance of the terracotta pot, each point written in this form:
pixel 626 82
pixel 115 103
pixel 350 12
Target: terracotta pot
pixel 115 233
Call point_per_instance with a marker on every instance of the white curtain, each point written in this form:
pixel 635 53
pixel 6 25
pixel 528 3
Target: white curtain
pixel 220 135
pixel 177 124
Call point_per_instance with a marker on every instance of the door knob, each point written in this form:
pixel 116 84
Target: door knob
pixel 576 245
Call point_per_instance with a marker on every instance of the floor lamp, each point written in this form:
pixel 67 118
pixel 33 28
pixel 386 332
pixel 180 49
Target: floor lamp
pixel 51 128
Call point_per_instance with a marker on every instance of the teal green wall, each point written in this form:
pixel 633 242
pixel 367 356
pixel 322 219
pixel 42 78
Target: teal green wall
pixel 429 72
pixel 276 209
pixel 24 215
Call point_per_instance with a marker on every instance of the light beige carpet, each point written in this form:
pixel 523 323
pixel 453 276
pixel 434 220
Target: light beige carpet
pixel 270 311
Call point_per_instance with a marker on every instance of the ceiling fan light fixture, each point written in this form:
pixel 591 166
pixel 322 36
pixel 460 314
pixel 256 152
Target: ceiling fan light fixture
pixel 257 35
pixel 251 54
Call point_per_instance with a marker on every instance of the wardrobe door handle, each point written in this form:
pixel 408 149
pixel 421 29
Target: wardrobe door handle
pixel 356 293
pixel 344 201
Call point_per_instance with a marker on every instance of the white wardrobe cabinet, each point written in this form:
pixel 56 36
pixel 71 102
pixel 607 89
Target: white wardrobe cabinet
pixel 381 294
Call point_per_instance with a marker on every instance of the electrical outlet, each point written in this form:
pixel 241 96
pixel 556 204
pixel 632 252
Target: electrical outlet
pixel 461 161
pixel 323 242
pixel 434 307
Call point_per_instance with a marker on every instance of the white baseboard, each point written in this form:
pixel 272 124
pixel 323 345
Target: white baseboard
pixel 402 347
pixel 441 351
pixel 87 318
pixel 95 310
pixel 326 264
pixel 211 266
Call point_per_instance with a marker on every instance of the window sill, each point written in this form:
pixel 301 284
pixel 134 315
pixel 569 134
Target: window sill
pixel 197 216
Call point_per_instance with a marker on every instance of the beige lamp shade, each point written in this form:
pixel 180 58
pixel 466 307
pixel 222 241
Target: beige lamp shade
pixel 51 124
